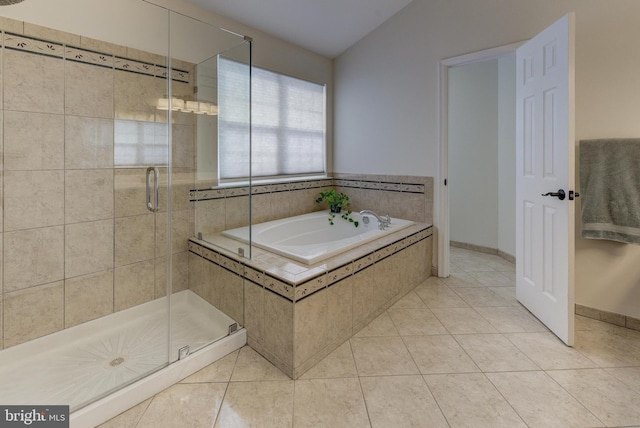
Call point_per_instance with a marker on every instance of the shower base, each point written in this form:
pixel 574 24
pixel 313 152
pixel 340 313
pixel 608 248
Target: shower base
pixel 82 364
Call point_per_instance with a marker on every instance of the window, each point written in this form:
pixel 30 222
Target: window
pixel 288 123
pixel 139 144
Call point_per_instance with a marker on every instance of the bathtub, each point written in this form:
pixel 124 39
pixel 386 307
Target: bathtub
pixel 310 238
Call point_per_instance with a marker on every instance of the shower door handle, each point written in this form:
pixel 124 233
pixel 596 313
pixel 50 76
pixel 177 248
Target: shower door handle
pixel 153 190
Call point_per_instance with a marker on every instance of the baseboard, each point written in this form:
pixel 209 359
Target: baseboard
pixel 508 257
pixel 482 249
pixel 608 317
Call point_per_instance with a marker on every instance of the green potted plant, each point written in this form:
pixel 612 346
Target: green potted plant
pixel 336 201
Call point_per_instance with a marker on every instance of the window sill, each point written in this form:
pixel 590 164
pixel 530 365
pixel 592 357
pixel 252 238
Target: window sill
pixel 259 182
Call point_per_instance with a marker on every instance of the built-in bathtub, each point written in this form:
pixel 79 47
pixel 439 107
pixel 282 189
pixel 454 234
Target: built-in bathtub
pixel 297 312
pixel 311 238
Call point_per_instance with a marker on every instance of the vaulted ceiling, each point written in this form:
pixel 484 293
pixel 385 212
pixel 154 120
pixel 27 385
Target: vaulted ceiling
pixel 327 27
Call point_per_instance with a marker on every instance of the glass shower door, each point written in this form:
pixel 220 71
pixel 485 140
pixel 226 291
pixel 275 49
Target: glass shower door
pixel 83 307
pixel 208 303
pixel 139 343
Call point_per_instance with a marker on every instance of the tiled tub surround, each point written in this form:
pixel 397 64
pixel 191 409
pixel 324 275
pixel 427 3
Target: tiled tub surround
pixel 407 197
pixel 77 240
pixel 222 208
pixel 295 314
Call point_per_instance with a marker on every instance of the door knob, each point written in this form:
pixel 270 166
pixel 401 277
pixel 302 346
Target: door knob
pixel 559 194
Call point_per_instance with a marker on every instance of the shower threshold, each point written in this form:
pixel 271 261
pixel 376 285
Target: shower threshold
pixel 82 364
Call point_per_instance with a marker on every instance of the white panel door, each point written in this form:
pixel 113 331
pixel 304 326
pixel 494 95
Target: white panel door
pixel 545 140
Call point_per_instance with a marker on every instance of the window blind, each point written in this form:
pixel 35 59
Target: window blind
pixel 288 123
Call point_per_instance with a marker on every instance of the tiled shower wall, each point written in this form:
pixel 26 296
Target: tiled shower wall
pixel 79 129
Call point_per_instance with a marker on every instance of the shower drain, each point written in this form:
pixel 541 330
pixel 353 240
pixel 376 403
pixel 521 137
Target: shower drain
pixel 115 362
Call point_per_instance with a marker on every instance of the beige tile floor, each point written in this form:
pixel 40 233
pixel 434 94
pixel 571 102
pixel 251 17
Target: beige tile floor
pixel 458 352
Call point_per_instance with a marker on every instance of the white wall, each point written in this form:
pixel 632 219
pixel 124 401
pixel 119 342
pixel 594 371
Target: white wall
pixel 507 155
pixel 386 107
pixel 482 154
pixel 473 153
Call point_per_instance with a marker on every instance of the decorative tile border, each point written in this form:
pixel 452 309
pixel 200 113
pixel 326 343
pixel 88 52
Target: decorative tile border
pixel 204 195
pixel 179 75
pixel 89 57
pixel 28 44
pixel 134 66
pixel 342 272
pixel 226 192
pixel 363 262
pixel 254 275
pixel 384 253
pixel 161 71
pixel 195 248
pixel 237 191
pixel 280 287
pixel 211 256
pixel 381 185
pixel 295 292
pixel 230 264
pixel 309 287
pixel 71 53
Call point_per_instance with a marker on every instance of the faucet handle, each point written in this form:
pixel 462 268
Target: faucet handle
pixel 387 219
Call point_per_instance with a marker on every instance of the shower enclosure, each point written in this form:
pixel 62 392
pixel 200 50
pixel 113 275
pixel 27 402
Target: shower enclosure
pixel 104 145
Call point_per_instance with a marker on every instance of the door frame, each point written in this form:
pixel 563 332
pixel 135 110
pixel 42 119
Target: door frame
pixel 442 220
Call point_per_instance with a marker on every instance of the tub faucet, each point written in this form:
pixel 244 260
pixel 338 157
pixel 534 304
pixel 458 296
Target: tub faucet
pixel 383 222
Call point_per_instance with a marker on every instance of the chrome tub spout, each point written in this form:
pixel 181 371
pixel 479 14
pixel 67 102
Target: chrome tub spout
pixel 383 222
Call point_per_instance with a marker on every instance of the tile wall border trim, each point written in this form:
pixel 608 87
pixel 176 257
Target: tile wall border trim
pixel 86 56
pixel 19 42
pixel 69 52
pixel 294 291
pixel 390 186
